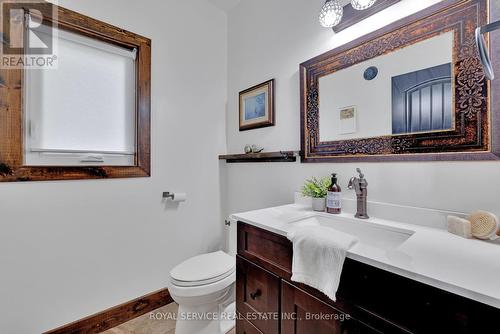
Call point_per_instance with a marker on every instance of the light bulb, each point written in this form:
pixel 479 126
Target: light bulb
pixel 362 4
pixel 331 13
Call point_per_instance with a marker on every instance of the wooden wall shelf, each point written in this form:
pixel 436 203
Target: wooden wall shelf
pixel 282 156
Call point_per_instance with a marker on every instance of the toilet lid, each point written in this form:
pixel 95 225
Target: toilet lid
pixel 203 269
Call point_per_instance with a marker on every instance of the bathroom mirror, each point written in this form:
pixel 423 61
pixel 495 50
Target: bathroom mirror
pixel 406 91
pixel 414 90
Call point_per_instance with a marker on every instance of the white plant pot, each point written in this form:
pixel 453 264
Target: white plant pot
pixel 319 204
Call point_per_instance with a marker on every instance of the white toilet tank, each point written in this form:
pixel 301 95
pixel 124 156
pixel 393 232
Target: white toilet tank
pixel 231 237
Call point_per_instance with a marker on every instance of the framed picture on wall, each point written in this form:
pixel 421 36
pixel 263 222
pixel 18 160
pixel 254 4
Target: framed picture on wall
pixel 257 106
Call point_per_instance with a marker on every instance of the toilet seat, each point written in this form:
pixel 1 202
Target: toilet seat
pixel 202 282
pixel 203 269
pixel 180 293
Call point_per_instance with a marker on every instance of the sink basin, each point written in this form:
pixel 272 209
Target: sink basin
pixel 373 237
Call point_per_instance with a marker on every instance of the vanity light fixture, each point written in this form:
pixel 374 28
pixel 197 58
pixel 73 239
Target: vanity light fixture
pixel 331 13
pixel 483 49
pixel 362 4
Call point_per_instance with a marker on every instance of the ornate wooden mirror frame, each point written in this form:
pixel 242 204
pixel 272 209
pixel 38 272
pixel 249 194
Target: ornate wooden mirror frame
pixel 11 106
pixel 477 105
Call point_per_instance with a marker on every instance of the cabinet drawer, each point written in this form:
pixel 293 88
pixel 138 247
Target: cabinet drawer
pixel 243 326
pixel 257 296
pixel 269 250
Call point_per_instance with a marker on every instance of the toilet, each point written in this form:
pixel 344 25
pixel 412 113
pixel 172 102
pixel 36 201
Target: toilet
pixel 204 288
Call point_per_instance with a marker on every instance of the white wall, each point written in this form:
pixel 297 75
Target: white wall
pixel 270 38
pixel 70 249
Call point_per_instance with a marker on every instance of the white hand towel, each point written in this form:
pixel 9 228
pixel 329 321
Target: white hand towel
pixel 318 257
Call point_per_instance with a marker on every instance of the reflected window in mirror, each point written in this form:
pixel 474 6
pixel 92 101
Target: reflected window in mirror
pixel 422 101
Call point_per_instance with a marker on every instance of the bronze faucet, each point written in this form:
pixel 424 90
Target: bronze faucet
pixel 360 185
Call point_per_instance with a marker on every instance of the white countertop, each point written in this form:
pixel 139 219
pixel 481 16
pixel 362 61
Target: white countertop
pixel 469 268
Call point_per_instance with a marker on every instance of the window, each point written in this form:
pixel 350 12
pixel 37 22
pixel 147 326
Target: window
pixel 83 112
pixel 88 118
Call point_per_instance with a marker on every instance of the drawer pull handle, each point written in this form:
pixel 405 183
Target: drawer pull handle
pixel 255 294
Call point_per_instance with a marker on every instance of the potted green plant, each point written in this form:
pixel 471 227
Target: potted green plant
pixel 317 190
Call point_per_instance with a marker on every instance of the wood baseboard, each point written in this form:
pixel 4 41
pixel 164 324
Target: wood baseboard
pixel 117 315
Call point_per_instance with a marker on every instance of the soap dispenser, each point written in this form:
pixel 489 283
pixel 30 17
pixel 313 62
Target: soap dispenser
pixel 334 197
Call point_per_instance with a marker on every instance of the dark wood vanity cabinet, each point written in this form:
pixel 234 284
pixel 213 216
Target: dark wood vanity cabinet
pixel 369 300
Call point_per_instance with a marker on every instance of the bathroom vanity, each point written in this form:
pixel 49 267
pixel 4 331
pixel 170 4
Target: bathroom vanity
pixel 396 280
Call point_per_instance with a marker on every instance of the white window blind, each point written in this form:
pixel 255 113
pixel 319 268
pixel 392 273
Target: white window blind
pixel 83 112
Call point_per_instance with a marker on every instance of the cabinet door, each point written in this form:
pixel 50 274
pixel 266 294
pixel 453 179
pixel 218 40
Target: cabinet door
pixel 257 296
pixel 305 314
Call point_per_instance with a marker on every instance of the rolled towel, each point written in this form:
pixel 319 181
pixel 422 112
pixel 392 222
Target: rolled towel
pixel 318 257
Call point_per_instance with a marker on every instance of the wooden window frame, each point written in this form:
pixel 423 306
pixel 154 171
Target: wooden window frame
pixel 12 167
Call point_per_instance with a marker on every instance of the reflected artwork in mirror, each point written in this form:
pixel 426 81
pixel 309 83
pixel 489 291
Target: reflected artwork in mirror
pixel 414 90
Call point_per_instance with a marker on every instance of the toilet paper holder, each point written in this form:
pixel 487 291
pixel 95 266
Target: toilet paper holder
pixel 175 197
pixel 167 195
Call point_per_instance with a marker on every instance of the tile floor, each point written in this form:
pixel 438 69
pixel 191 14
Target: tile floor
pixel 145 325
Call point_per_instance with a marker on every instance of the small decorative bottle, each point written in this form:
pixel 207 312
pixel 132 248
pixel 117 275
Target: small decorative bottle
pixel 334 197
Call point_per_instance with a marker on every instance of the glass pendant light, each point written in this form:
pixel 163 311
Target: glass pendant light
pixel 362 4
pixel 331 13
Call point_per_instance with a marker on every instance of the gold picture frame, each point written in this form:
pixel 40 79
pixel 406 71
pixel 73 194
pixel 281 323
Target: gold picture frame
pixel 256 106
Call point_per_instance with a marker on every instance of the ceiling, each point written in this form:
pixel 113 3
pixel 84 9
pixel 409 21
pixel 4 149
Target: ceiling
pixel 225 5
